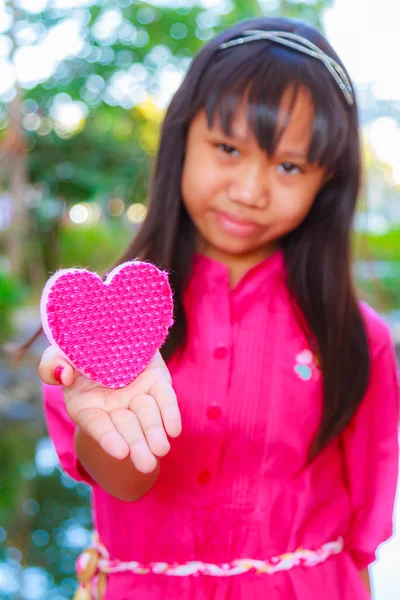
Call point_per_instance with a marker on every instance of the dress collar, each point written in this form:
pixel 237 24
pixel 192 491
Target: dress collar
pixel 214 271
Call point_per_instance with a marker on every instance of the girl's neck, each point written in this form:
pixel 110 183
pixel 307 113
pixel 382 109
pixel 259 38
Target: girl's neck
pixel 237 264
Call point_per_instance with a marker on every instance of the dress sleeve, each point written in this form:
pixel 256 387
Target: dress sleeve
pixel 371 452
pixel 62 431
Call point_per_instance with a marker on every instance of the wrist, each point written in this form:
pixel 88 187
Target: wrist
pixel 119 478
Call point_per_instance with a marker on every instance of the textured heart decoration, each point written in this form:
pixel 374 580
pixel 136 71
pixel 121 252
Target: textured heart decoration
pixel 108 330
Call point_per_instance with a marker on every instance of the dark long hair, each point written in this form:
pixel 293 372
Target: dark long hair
pixel 317 253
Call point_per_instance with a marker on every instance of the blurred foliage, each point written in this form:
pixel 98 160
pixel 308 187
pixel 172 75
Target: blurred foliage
pixel 42 512
pixel 98 246
pixel 384 246
pixel 13 457
pixel 378 268
pixel 111 155
pixel 381 290
pixel 11 295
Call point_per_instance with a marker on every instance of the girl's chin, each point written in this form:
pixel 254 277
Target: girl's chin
pixel 235 249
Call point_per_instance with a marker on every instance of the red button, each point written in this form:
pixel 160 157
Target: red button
pixel 220 352
pixel 204 477
pixel 214 413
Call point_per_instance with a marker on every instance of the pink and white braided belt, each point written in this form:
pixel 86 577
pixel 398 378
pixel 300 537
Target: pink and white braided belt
pixel 94 565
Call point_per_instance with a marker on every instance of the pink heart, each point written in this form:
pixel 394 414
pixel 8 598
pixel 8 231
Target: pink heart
pixel 109 331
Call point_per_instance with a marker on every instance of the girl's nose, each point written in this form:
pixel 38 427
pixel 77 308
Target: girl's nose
pixel 249 187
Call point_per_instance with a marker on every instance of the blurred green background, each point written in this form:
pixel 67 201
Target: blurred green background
pixel 83 89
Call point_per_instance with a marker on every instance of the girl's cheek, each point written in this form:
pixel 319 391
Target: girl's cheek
pixel 292 215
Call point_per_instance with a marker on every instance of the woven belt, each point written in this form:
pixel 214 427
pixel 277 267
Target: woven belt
pixel 94 564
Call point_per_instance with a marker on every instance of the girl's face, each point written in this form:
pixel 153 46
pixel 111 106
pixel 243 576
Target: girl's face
pixel 242 201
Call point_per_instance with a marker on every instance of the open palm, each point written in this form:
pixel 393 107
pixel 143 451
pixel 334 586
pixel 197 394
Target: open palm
pixel 134 420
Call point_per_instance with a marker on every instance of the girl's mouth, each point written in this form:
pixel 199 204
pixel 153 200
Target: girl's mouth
pixel 235 225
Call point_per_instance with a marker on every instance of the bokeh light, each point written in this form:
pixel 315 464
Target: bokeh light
pixel 68 116
pixel 136 213
pixel 79 213
pixel 86 213
pixel 30 507
pixel 115 207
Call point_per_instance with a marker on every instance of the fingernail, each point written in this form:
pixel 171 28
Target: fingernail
pixel 58 373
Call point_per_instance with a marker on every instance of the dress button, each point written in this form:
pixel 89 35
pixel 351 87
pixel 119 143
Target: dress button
pixel 214 413
pixel 204 477
pixel 220 352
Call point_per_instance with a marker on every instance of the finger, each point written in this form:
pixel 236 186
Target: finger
pixel 147 411
pixel 128 426
pixel 54 369
pixel 164 395
pixel 99 425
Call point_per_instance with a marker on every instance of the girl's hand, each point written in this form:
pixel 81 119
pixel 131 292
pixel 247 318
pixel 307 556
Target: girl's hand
pixel 134 420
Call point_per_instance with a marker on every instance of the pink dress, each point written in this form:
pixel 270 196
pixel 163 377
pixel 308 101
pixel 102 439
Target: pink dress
pixel 232 485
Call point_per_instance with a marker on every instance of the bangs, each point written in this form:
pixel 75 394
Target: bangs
pixel 259 74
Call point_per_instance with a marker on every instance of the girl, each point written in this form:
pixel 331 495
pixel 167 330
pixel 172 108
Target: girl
pixel 282 482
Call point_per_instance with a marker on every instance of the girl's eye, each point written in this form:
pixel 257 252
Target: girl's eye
pixel 288 168
pixel 228 149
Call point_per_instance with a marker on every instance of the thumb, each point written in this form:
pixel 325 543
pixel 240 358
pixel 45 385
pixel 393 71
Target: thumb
pixel 55 370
